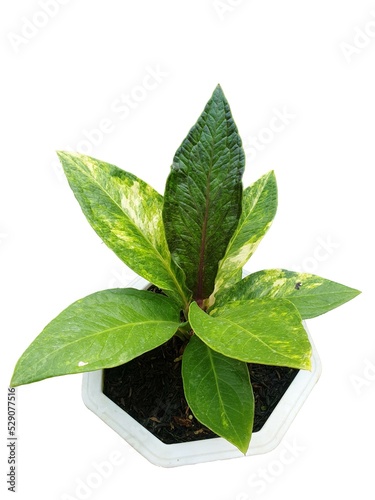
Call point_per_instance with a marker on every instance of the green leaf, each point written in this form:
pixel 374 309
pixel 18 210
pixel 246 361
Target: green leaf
pixel 258 210
pixel 268 332
pixel 202 201
pixel 102 330
pixel 312 295
pixel 127 214
pixel 219 393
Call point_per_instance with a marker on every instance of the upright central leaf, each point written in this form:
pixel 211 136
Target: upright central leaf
pixel 202 202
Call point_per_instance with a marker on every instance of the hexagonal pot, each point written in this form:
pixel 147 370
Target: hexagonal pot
pixel 172 455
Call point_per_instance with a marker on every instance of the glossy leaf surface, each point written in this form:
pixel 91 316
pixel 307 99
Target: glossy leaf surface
pixel 127 214
pixel 202 201
pixel 311 294
pixel 219 393
pixel 268 332
pixel 102 330
pixel 258 210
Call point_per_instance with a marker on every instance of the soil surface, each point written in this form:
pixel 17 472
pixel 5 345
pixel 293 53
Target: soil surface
pixel 149 388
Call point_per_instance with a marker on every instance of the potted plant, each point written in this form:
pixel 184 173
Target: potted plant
pixel 189 247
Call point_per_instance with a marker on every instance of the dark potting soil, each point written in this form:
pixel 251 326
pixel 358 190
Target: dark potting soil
pixel 149 388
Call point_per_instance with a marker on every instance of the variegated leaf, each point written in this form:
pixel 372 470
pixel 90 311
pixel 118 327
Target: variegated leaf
pixel 268 332
pixel 127 214
pixel 259 206
pixel 311 294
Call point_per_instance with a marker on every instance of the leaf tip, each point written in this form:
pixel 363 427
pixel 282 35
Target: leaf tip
pixel 244 448
pixel 219 91
pixel 61 153
pixel 66 155
pixel 63 156
pixel 307 364
pixel 14 382
pixel 271 173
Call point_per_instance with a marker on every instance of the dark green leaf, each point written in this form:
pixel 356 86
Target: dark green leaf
pixel 202 202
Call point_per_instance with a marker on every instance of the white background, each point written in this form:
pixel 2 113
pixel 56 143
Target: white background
pixel 63 73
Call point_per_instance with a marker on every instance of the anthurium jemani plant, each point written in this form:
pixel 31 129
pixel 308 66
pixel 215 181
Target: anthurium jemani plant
pixel 192 244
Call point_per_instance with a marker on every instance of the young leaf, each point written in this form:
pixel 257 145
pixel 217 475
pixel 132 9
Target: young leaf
pixel 268 332
pixel 127 214
pixel 312 295
pixel 202 201
pixel 259 206
pixel 102 330
pixel 219 393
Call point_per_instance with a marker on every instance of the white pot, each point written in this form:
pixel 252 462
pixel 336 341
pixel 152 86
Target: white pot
pixel 172 455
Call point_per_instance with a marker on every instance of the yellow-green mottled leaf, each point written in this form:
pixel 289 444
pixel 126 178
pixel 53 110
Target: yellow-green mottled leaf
pixel 218 392
pixel 259 206
pixel 311 294
pixel 127 214
pixel 102 330
pixel 268 332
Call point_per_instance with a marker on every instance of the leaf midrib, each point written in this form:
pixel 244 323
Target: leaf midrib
pixel 202 249
pixel 101 332
pixel 240 226
pixel 221 403
pixel 232 323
